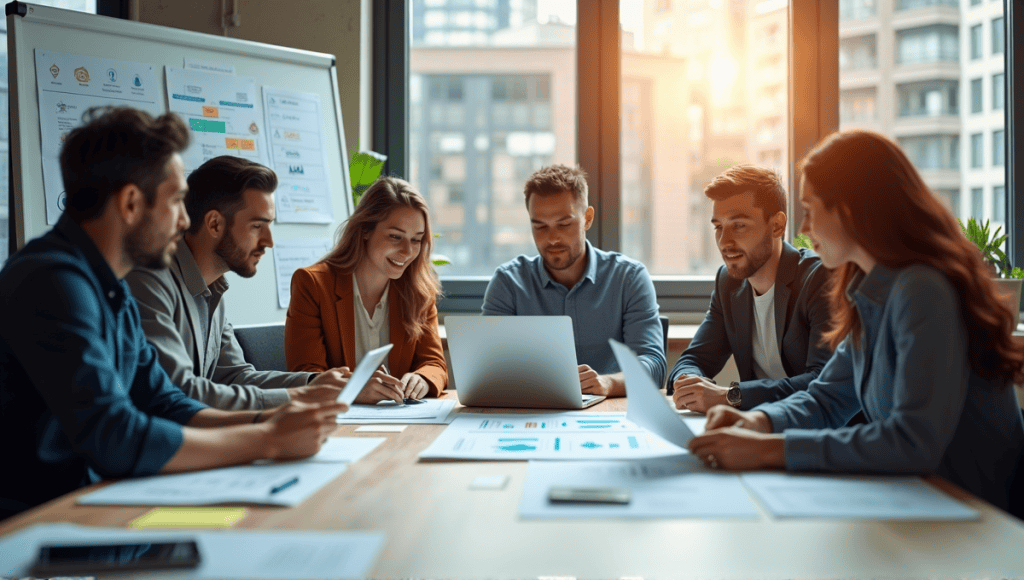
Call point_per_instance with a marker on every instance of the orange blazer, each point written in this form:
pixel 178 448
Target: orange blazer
pixel 319 330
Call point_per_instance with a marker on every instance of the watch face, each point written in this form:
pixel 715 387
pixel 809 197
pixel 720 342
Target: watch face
pixel 733 395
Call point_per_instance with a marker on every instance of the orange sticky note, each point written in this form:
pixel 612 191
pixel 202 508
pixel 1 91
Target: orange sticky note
pixel 231 143
pixel 247 144
pixel 209 111
pixel 189 517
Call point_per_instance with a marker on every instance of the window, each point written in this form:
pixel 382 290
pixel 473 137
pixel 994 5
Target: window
pixel 977 203
pixel 998 91
pixel 858 53
pixel 998 36
pixel 932 151
pixel 928 99
pixel 977 43
pixel 857 106
pixel 999 203
pixel 939 42
pixel 854 9
pixel 976 98
pixel 916 4
pixel 999 148
pixel 977 150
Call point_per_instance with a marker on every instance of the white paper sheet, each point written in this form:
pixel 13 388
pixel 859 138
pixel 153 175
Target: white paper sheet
pixel 430 411
pixel 567 435
pixel 292 254
pixel 664 487
pixel 240 484
pixel 223 113
pixel 298 155
pixel 224 553
pixel 69 84
pixel 647 405
pixel 788 495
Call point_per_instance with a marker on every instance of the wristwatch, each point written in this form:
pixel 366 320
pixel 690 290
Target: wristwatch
pixel 734 396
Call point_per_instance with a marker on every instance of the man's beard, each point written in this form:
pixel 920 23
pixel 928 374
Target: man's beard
pixel 137 246
pixel 234 256
pixel 756 258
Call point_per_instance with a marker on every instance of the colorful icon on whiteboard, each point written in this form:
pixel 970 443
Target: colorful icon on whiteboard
pixel 62 107
pixel 54 70
pixel 111 75
pixel 253 128
pixel 137 82
pixel 81 74
pixel 62 200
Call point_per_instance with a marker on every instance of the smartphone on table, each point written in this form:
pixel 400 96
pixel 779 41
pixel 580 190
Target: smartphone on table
pixel 86 559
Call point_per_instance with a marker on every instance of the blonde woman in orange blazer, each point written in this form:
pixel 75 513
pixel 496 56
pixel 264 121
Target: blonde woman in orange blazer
pixel 383 257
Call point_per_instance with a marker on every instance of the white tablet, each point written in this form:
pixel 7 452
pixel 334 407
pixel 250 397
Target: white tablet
pixel 364 370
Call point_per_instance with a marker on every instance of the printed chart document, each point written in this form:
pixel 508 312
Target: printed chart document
pixel 221 111
pixel 788 495
pixel 663 487
pixel 292 254
pixel 566 435
pixel 225 553
pixel 267 482
pixel 69 84
pixel 430 411
pixel 298 156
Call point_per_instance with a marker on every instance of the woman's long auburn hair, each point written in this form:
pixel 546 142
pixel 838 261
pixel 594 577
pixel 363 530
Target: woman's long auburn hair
pixel 419 286
pixel 888 210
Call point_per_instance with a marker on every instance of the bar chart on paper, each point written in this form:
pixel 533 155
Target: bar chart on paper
pixel 547 436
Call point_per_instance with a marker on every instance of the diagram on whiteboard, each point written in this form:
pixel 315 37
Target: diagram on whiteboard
pixel 298 154
pixel 71 84
pixel 572 435
pixel 221 110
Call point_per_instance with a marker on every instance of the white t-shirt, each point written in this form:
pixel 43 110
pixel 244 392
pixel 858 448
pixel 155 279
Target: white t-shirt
pixel 767 361
pixel 371 331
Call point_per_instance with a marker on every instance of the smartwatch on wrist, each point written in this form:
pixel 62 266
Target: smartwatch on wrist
pixel 734 396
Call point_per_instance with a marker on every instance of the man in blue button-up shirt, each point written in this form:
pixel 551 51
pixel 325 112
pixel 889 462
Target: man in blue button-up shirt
pixel 606 294
pixel 82 395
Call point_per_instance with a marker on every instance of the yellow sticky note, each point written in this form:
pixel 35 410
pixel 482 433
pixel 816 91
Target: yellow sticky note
pixel 190 517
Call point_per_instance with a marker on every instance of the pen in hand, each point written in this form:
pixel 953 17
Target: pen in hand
pixel 406 401
pixel 284 485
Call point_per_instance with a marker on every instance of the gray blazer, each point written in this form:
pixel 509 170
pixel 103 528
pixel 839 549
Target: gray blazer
pixel 217 375
pixel 801 318
pixel 927 410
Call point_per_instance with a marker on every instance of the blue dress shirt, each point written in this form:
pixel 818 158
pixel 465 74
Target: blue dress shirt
pixel 614 299
pixel 82 395
pixel 927 410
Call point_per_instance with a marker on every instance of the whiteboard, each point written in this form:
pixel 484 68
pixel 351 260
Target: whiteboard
pixel 31 28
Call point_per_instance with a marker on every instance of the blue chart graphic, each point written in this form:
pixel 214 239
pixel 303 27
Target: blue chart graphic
pixel 613 445
pixel 633 444
pixel 558 443
pixel 517 444
pixel 596 423
pixel 590 445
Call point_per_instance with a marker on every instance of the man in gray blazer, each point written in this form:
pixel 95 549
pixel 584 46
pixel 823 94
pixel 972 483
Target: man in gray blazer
pixel 230 204
pixel 769 307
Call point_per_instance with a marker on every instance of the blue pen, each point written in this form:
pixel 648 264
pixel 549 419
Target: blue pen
pixel 284 485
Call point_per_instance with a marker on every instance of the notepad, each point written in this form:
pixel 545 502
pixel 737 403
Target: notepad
pixel 189 518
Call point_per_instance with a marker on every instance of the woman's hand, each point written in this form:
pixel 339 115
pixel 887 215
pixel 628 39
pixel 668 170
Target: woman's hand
pixel 734 448
pixel 415 386
pixel 725 416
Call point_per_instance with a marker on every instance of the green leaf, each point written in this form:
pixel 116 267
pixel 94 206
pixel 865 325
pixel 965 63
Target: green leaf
pixel 363 170
pixel 802 241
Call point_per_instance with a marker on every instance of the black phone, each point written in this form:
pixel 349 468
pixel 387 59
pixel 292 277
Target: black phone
pixel 83 559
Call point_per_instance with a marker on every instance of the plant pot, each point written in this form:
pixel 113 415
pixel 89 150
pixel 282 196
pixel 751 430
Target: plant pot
pixel 1011 289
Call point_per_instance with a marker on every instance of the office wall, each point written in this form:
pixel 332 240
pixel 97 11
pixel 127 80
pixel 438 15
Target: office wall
pixel 338 27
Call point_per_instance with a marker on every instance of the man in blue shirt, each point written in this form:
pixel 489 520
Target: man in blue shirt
pixel 606 294
pixel 82 395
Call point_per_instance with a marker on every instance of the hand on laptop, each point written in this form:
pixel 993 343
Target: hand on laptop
pixel 380 387
pixel 415 386
pixel 594 384
pixel 697 393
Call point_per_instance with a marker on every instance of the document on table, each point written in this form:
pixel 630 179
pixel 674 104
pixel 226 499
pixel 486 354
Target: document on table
pixel 662 487
pixel 647 405
pixel 273 483
pixel 292 254
pixel 70 84
pixel 566 435
pixel 224 553
pixel 788 495
pixel 430 411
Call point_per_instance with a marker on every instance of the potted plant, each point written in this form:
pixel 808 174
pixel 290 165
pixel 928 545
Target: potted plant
pixel 990 243
pixel 364 169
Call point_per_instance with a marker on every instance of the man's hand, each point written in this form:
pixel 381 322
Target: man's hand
pixel 726 416
pixel 297 430
pixel 415 386
pixel 739 449
pixel 592 383
pixel 324 387
pixel 697 393
pixel 381 386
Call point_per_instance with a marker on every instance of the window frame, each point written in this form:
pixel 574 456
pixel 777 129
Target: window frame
pixel 813 87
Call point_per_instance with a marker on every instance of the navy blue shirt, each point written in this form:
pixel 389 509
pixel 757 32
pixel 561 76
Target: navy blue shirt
pixel 614 299
pixel 82 394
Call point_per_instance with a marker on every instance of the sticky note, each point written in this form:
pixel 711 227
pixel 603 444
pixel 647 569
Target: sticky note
pixel 189 517
pixel 382 428
pixel 489 482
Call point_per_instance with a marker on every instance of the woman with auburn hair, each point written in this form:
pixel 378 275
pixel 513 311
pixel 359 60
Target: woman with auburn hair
pixel 923 339
pixel 377 286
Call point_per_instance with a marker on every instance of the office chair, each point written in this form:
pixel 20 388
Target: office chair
pixel 263 346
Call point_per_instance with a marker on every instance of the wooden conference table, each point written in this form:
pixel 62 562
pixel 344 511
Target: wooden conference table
pixel 437 527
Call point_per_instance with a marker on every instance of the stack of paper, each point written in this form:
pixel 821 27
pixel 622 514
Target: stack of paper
pixel 429 411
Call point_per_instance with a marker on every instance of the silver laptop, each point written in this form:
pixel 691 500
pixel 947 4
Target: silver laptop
pixel 515 361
